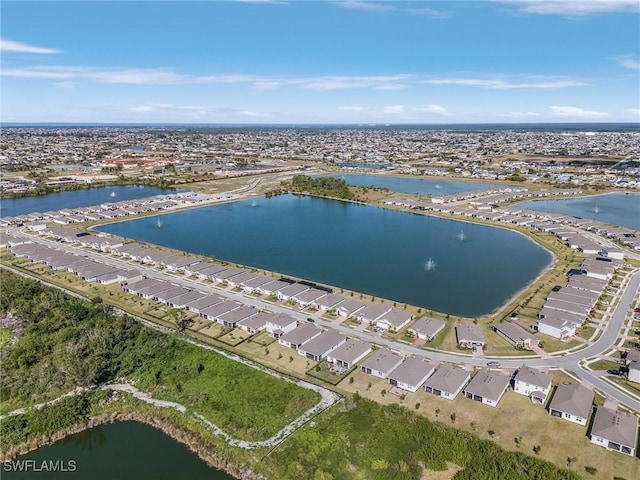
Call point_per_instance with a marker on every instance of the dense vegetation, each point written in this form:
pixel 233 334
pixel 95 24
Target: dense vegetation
pixel 61 342
pixel 368 440
pixel 322 186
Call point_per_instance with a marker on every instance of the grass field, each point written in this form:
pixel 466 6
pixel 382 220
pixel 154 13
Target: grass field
pixel 515 417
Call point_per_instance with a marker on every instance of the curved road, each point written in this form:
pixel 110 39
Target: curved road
pixel 569 361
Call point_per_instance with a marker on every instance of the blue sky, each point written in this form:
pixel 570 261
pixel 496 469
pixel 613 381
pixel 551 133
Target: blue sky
pixel 321 62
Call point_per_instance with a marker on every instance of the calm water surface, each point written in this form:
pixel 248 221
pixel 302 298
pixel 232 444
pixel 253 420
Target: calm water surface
pixel 614 208
pixel 418 186
pixel 120 451
pixel 414 259
pixel 76 198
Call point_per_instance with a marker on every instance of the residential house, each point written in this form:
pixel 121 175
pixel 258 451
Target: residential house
pixel 329 302
pixel 426 328
pixel 516 335
pixel 533 383
pixel 572 403
pixel 183 300
pixel 411 374
pixel 381 363
pixel 298 336
pixel 319 347
pixel 615 430
pixel 372 311
pixel 394 319
pixel 447 382
pixel 231 318
pixel 280 324
pixel 349 307
pixel 255 323
pixel 556 327
pixel 487 387
pixel 290 291
pixel 470 336
pixel 198 305
pixel 350 353
pixel 270 288
pixel 308 297
pixel 214 312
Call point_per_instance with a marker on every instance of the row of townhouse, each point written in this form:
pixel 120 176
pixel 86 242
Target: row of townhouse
pixel 567 308
pixel 87 269
pixel 113 210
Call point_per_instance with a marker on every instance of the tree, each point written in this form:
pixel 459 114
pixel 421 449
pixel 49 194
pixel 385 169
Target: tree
pixel 383 392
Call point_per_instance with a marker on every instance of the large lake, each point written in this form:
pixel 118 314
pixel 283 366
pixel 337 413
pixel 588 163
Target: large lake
pixel 126 450
pixel 405 257
pixel 11 207
pixel 415 185
pixel 614 208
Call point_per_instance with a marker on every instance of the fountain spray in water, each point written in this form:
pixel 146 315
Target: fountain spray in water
pixel 461 236
pixel 596 210
pixel 112 194
pixel 254 204
pixel 429 265
pixel 159 223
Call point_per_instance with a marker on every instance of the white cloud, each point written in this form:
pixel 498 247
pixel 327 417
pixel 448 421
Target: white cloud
pixel 437 109
pixel 522 114
pixel 631 62
pixel 573 7
pixel 167 108
pixel 362 5
pixel 66 85
pixel 247 113
pixel 17 47
pixel 429 12
pixel 103 75
pixel 635 111
pixel 565 111
pixel 348 108
pixel 393 110
pixel 499 84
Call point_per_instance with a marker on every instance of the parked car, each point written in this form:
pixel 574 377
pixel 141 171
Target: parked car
pixel 493 364
pixel 613 371
pixel 309 319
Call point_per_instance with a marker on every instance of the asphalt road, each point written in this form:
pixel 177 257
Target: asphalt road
pixel 570 361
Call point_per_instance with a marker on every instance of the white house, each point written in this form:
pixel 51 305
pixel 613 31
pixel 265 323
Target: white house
pixel 533 383
pixel 447 382
pixel 615 430
pixel 571 403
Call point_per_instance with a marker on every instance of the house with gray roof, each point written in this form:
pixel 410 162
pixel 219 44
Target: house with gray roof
pixel 280 324
pixel 516 335
pixel 572 403
pixel 309 296
pixel 329 302
pixel 198 305
pixel 255 323
pixel 319 347
pixel 372 311
pixel 381 363
pixel 533 383
pixel 394 319
pixel 487 387
pixel 556 326
pixel 298 336
pixel 350 353
pixel 183 300
pixel 289 291
pixel 167 295
pixel 237 280
pixel 447 382
pixel 213 312
pixel 349 307
pixel 270 288
pixel 426 328
pixel 231 318
pixel 136 287
pixel 210 272
pixel 469 336
pixel 151 293
pixel 615 430
pixel 252 285
pixel 227 274
pixel 411 374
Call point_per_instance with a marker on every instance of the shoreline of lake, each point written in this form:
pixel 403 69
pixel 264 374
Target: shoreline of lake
pixel 178 433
